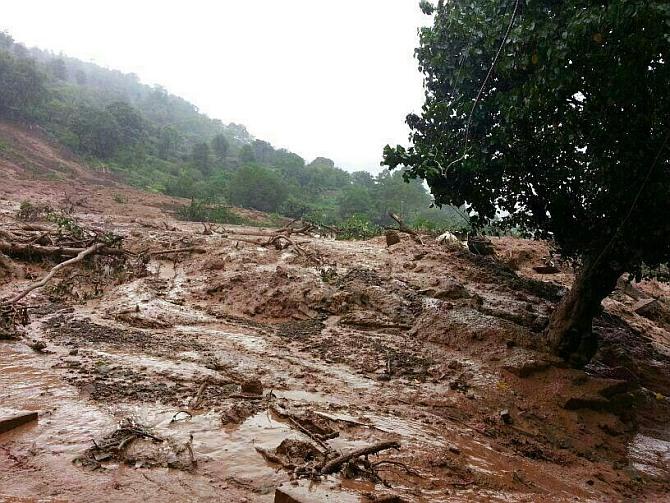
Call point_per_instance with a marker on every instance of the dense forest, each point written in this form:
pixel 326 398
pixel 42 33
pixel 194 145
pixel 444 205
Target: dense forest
pixel 160 142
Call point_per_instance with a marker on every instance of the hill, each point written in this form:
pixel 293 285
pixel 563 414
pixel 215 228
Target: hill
pixel 159 142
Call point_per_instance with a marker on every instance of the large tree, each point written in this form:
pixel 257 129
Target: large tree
pixel 554 117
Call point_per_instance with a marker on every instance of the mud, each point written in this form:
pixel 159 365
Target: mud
pixel 227 351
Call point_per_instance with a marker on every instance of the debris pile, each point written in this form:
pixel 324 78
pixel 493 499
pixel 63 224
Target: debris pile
pixel 135 445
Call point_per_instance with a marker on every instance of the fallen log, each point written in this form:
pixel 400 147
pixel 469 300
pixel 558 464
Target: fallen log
pixel 80 256
pixel 335 464
pixel 33 250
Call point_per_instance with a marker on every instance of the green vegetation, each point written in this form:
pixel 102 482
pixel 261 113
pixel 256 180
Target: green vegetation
pixel 552 118
pixel 198 211
pixel 159 142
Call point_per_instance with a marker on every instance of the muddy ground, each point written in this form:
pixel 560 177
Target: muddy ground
pixel 226 354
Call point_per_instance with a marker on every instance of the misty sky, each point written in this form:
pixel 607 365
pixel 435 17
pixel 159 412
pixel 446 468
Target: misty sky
pixel 319 77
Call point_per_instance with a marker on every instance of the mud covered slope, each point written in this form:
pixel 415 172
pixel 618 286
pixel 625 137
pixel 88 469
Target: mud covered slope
pixel 235 371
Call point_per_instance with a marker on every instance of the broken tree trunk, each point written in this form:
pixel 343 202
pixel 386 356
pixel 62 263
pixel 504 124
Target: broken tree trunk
pixel 570 330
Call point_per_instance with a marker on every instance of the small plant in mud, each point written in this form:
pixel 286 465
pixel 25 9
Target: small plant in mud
pixel 121 198
pixel 358 227
pixel 66 224
pixel 328 274
pixel 29 212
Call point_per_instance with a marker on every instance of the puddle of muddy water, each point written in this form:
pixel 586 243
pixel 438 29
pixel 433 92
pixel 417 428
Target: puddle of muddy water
pixel 66 423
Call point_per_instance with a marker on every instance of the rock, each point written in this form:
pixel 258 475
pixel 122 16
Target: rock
pixel 539 323
pixel 448 290
pixel 454 449
pixel 480 245
pixel 653 309
pixel 450 239
pixel 451 290
pixel 13 419
pixel 253 387
pixel 455 365
pixel 546 269
pixel 526 368
pixel 627 288
pixel 392 238
pixel 505 416
pixel 38 346
pixel 309 493
pixel 587 401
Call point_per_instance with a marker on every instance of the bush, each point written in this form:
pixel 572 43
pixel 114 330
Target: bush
pixel 358 227
pixel 199 211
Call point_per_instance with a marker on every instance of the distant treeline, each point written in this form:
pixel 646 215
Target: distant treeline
pixel 162 143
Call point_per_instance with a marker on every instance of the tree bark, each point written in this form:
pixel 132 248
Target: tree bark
pixel 570 331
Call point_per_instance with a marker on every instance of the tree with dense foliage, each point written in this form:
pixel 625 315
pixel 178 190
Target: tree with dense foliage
pixel 21 85
pixel 58 69
pixel 355 200
pixel 200 157
pixel 97 131
pixel 132 127
pixel 553 117
pixel 256 187
pixel 220 147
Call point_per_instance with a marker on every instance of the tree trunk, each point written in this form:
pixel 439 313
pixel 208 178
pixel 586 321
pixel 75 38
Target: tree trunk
pixel 570 331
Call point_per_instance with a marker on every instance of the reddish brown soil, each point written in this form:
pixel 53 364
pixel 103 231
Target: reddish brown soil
pixel 422 344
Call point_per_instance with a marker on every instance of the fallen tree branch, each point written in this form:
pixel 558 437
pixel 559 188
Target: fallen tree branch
pixel 334 465
pixel 81 256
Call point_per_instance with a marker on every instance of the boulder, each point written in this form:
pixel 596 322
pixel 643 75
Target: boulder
pixel 392 238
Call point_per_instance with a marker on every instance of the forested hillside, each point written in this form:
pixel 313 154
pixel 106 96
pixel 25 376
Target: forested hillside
pixel 160 142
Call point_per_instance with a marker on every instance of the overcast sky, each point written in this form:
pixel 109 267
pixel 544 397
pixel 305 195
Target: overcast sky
pixel 320 77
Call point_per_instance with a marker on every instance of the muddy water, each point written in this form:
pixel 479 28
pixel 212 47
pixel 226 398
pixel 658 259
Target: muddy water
pixel 66 421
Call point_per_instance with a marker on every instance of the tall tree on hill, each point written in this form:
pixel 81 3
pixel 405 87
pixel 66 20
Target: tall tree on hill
pixel 21 86
pixel 58 69
pixel 132 127
pixel 220 147
pixel 554 116
pixel 200 157
pixel 254 186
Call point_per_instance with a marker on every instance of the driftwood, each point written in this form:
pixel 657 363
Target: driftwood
pixel 81 256
pixel 335 464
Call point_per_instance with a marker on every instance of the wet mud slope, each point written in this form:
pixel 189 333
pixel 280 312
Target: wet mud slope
pixel 234 371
